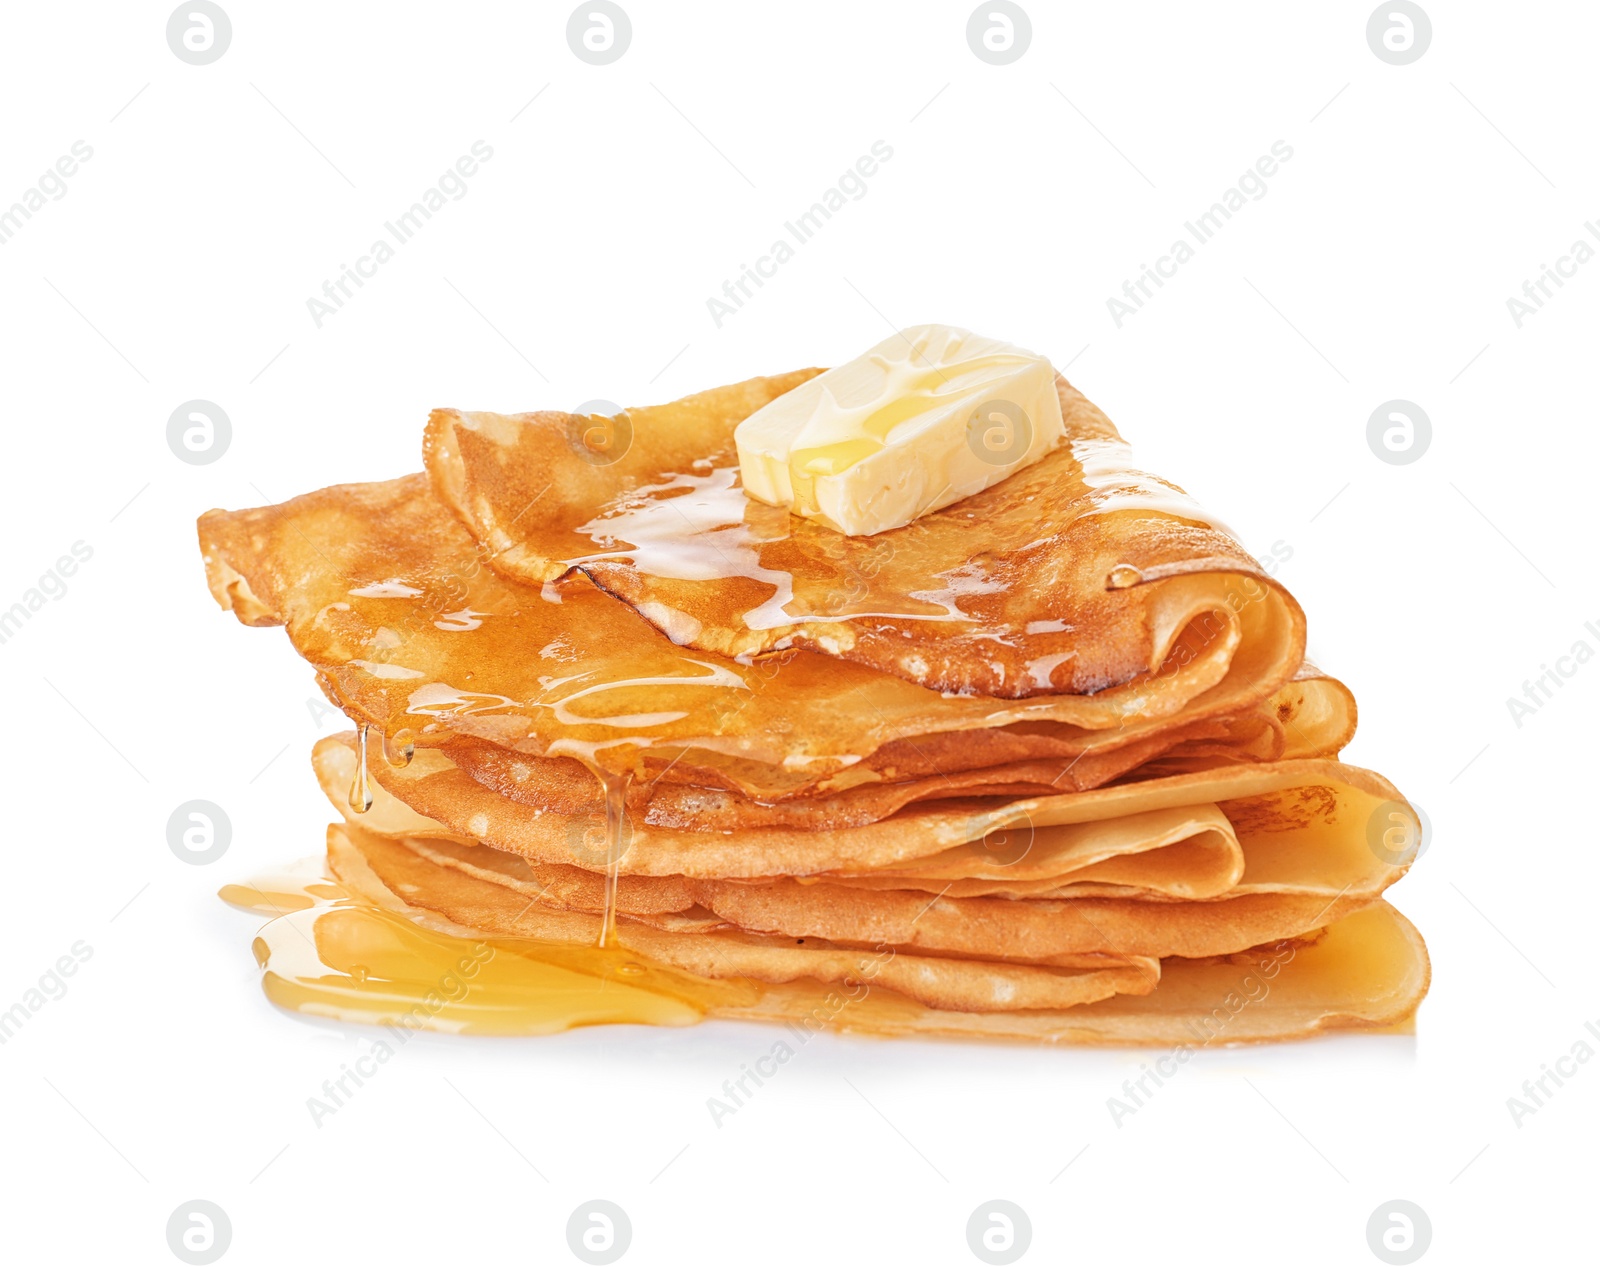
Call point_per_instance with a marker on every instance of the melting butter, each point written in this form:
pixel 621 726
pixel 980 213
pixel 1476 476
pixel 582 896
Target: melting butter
pixel 929 416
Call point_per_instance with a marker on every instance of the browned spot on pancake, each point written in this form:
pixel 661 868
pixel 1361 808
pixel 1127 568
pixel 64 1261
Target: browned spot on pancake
pixel 1282 811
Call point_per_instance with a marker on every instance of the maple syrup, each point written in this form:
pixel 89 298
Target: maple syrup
pixel 329 951
pixel 361 786
pixel 399 748
pixel 615 788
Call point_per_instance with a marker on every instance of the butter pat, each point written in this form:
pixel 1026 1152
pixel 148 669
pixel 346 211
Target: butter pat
pixel 929 416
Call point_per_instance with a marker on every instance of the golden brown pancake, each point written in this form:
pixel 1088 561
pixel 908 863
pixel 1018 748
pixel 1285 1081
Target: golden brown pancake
pixel 972 985
pixel 384 591
pixel 1294 855
pixel 1367 970
pixel 1298 827
pixel 1047 763
pixel 1071 576
pixel 1311 716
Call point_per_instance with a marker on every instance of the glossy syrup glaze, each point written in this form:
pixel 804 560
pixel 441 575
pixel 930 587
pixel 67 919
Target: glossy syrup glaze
pixel 329 951
pixel 416 634
pixel 964 599
pixel 761 568
pixel 372 581
pixel 613 790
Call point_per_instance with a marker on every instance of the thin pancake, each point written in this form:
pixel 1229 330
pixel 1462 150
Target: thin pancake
pixel 1311 716
pixel 1368 970
pixel 1300 871
pixel 971 985
pixel 388 596
pixel 1084 577
pixel 1301 828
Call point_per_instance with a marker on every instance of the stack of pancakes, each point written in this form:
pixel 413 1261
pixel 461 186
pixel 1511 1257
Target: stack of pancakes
pixel 1048 762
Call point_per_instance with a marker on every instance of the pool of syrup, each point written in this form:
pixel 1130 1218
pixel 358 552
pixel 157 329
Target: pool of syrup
pixel 329 951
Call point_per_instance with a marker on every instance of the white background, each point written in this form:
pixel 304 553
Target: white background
pixel 1377 266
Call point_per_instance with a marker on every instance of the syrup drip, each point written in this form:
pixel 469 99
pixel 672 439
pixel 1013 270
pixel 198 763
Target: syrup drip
pixel 615 788
pixel 1124 576
pixel 360 787
pixel 613 767
pixel 328 951
pixel 399 747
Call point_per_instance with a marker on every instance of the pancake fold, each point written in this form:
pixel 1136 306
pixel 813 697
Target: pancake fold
pixel 1092 574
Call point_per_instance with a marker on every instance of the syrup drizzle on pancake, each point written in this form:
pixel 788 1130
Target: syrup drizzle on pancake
pixel 615 788
pixel 700 527
pixel 361 788
pixel 951 601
